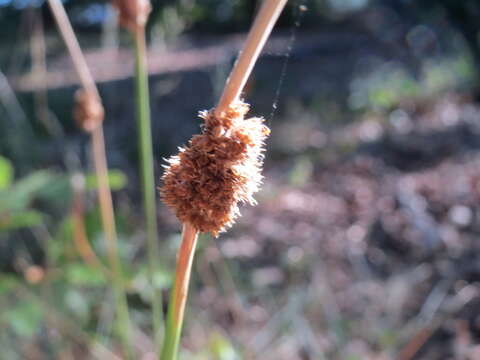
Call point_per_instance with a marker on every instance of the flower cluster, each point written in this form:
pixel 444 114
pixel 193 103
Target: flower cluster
pixel 133 13
pixel 88 110
pixel 219 169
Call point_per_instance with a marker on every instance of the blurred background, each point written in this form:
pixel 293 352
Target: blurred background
pixel 364 244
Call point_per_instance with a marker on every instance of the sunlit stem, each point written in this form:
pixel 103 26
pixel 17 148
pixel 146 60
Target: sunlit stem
pixel 178 296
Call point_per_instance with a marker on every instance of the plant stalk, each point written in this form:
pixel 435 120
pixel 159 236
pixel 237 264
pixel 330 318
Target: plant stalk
pixel 108 221
pixel 147 175
pixel 178 296
pixel 258 35
pixel 73 47
pixel 80 238
pixel 101 169
pixel 256 39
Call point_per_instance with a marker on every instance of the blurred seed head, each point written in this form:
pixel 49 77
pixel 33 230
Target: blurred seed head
pixel 34 274
pixel 218 169
pixel 88 110
pixel 132 13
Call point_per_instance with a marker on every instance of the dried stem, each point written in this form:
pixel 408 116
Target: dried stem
pixel 255 41
pixel 108 220
pixel 178 296
pixel 100 163
pixel 258 35
pixel 79 234
pixel 147 175
pixel 73 47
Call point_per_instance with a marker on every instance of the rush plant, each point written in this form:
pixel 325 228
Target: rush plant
pixel 218 169
pixel 204 184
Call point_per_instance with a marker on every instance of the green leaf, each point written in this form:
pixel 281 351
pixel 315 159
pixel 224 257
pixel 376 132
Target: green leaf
pixel 79 274
pixel 20 220
pixel 7 283
pixel 6 173
pixel 23 191
pixel 116 179
pixel 59 189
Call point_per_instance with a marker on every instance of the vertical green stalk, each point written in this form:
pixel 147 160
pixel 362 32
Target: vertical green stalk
pixel 148 181
pixel 173 333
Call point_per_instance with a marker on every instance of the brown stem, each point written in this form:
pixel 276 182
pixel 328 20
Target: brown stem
pixel 184 267
pixel 255 41
pixel 258 35
pixel 101 169
pixel 80 237
pixel 178 297
pixel 73 47
pixel 104 194
pixel 108 220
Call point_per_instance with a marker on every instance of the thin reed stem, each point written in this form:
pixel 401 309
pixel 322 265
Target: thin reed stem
pixel 178 296
pixel 258 35
pixel 101 169
pixel 80 238
pixel 73 47
pixel 255 41
pixel 108 221
pixel 147 175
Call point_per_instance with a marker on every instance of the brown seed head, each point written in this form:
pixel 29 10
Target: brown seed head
pixel 133 13
pixel 34 274
pixel 88 111
pixel 219 168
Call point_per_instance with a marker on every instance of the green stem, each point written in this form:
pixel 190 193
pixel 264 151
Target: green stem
pixel 178 296
pixel 148 181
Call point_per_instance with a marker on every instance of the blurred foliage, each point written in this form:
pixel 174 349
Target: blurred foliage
pixel 16 197
pixel 390 83
pixel 116 179
pixel 42 201
pixel 24 318
pixel 6 173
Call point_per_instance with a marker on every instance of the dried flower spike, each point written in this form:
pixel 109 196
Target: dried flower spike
pixel 88 111
pixel 133 14
pixel 219 168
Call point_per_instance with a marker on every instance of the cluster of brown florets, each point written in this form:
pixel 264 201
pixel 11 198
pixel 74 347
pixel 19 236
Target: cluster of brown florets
pixel 133 13
pixel 219 169
pixel 88 110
